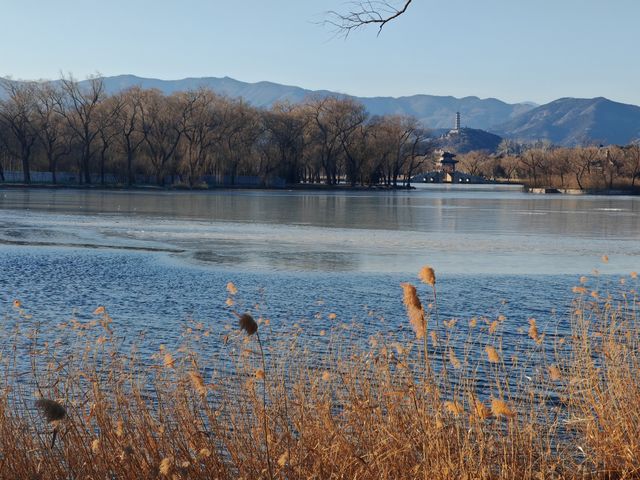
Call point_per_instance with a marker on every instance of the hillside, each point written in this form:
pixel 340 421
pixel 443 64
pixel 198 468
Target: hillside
pixel 468 139
pixel 575 121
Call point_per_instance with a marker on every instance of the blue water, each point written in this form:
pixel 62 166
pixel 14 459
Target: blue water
pixel 159 260
pixel 147 293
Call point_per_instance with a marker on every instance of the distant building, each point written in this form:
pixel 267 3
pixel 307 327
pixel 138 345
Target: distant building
pixel 446 172
pixel 447 164
pixel 456 127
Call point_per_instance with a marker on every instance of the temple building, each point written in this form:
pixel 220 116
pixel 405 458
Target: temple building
pixel 447 164
pixel 446 172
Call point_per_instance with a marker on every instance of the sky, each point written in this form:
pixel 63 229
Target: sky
pixel 514 50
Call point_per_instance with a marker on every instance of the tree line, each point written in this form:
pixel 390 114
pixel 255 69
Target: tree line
pixel 189 136
pixel 540 164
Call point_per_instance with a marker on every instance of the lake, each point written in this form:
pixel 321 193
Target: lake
pixel 157 260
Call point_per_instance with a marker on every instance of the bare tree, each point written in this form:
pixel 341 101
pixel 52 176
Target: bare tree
pixel 532 161
pixel 18 115
pixel 199 124
pixel 160 119
pixel 3 152
pixel 333 121
pixel 284 140
pixel 356 152
pixel 363 13
pixel 612 164
pixel 108 128
pixel 560 164
pixel 127 119
pixel 420 148
pixel 632 161
pixel 240 128
pixel 474 162
pixel 79 106
pixel 52 131
pixel 507 167
pixel 581 160
pixel 398 138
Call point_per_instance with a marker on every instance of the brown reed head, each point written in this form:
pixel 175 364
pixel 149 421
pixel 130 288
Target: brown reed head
pixel 480 410
pixel 198 383
pixel 501 408
pixel 414 309
pixel 454 407
pixel 492 354
pixel 410 296
pixel 165 466
pixel 453 359
pixel 169 361
pixel 231 288
pixel 533 329
pixel 555 373
pixel 51 410
pixel 248 324
pixel 428 276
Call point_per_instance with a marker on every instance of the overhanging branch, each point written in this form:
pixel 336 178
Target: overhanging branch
pixel 366 13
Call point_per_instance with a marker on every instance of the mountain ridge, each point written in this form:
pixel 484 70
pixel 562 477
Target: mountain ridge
pixel 566 121
pixel 433 111
pixel 575 121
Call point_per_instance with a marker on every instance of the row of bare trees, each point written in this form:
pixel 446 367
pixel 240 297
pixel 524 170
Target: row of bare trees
pixel 185 137
pixel 542 165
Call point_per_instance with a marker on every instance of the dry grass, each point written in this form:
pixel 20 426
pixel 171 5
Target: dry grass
pixel 462 406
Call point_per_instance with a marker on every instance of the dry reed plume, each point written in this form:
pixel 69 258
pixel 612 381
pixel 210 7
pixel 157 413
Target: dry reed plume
pixel 556 405
pixel 428 276
pixel 415 311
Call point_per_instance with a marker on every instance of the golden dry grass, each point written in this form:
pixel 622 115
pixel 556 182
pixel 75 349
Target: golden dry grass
pixel 557 406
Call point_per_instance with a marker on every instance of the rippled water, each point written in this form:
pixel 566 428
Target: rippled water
pixel 157 259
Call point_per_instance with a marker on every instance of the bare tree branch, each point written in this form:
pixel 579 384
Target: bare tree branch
pixel 362 13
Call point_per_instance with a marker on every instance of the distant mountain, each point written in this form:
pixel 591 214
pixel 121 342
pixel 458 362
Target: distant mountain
pixel 468 139
pixel 574 121
pixel 432 111
pixel 439 112
pixel 260 94
pixel 567 121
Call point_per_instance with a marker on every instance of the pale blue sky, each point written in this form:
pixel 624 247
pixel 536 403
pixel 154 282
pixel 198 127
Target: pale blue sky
pixel 515 50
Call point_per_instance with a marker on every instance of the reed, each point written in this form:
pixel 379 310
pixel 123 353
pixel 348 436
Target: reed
pixel 261 406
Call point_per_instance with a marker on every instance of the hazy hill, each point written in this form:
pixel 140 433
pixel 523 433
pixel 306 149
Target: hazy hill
pixel 433 111
pixel 574 121
pixel 468 139
pixel 261 94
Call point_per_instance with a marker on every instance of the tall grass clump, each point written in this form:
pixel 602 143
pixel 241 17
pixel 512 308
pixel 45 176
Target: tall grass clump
pixel 449 401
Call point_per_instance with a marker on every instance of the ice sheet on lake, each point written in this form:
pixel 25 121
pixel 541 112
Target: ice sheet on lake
pixel 296 247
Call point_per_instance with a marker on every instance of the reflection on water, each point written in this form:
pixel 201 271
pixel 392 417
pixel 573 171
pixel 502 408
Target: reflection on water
pixel 463 210
pixel 486 229
pixel 157 259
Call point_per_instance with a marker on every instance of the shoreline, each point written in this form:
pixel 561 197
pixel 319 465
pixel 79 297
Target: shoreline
pixel 155 188
pixel 317 187
pixel 577 191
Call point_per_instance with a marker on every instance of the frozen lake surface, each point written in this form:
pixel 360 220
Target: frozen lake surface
pixel 457 230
